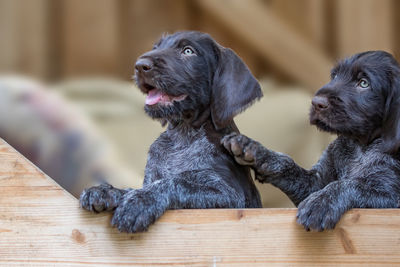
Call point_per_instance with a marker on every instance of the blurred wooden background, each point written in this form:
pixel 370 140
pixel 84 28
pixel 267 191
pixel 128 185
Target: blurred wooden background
pixel 292 41
pixel 295 42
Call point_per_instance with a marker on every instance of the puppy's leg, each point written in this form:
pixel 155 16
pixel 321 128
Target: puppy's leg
pixel 266 163
pixel 101 198
pixel 140 208
pixel 277 168
pixel 323 209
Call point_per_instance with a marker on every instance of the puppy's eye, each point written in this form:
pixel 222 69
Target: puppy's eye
pixel 363 83
pixel 188 51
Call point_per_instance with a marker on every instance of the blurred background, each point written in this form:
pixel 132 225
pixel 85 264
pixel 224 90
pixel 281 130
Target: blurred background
pixel 68 103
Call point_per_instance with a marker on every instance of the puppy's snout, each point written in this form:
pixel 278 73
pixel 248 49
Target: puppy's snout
pixel 143 65
pixel 320 102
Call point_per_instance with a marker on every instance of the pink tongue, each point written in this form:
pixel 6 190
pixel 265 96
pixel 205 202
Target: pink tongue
pixel 153 97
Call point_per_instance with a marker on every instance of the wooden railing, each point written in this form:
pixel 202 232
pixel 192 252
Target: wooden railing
pixel 41 225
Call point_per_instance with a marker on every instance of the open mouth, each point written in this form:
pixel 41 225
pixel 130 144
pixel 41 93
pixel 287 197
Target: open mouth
pixel 156 96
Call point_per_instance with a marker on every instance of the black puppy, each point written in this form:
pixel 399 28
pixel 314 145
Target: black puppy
pixel 196 87
pixel 361 168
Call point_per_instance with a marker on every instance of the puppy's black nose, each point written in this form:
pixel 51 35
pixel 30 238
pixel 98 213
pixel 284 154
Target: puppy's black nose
pixel 143 65
pixel 320 102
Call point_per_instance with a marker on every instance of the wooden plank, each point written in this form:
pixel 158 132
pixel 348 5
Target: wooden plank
pixel 364 25
pixel 308 17
pixel 273 39
pixel 317 20
pixel 33 39
pixel 90 37
pixel 205 22
pixel 8 33
pixel 313 19
pixel 42 225
pixel 24 37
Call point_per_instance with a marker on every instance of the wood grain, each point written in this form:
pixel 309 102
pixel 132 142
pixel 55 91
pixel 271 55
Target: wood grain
pixel 371 27
pixel 42 225
pixel 90 34
pixel 24 38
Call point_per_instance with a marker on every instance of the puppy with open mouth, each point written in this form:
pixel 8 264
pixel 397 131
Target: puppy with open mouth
pixel 361 168
pixel 195 87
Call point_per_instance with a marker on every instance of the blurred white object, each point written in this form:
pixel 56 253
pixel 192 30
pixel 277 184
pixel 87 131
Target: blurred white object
pixel 55 136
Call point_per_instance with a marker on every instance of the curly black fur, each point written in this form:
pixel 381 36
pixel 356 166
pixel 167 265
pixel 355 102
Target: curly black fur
pixel 361 168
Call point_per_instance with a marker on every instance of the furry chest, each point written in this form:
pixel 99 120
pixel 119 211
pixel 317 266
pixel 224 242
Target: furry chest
pixel 174 154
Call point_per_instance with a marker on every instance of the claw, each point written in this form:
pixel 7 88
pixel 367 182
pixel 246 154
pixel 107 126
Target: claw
pixel 248 156
pixel 236 148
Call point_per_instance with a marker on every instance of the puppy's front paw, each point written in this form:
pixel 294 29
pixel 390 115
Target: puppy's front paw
pixel 319 211
pixel 101 198
pixel 137 211
pixel 241 147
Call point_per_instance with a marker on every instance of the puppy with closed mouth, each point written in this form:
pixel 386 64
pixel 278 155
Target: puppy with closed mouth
pixel 195 87
pixel 361 168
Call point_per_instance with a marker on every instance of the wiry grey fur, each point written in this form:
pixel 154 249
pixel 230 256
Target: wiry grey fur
pixel 186 166
pixel 361 168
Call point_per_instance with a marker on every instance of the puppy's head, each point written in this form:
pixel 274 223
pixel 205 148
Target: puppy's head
pixel 362 100
pixel 187 75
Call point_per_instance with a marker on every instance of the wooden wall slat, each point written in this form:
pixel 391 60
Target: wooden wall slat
pixel 307 17
pixel 205 21
pixel 364 25
pixel 90 37
pixel 33 39
pixel 273 40
pixel 8 35
pixel 24 37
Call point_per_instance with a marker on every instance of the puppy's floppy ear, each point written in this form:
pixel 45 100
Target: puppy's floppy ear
pixel 234 88
pixel 391 123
